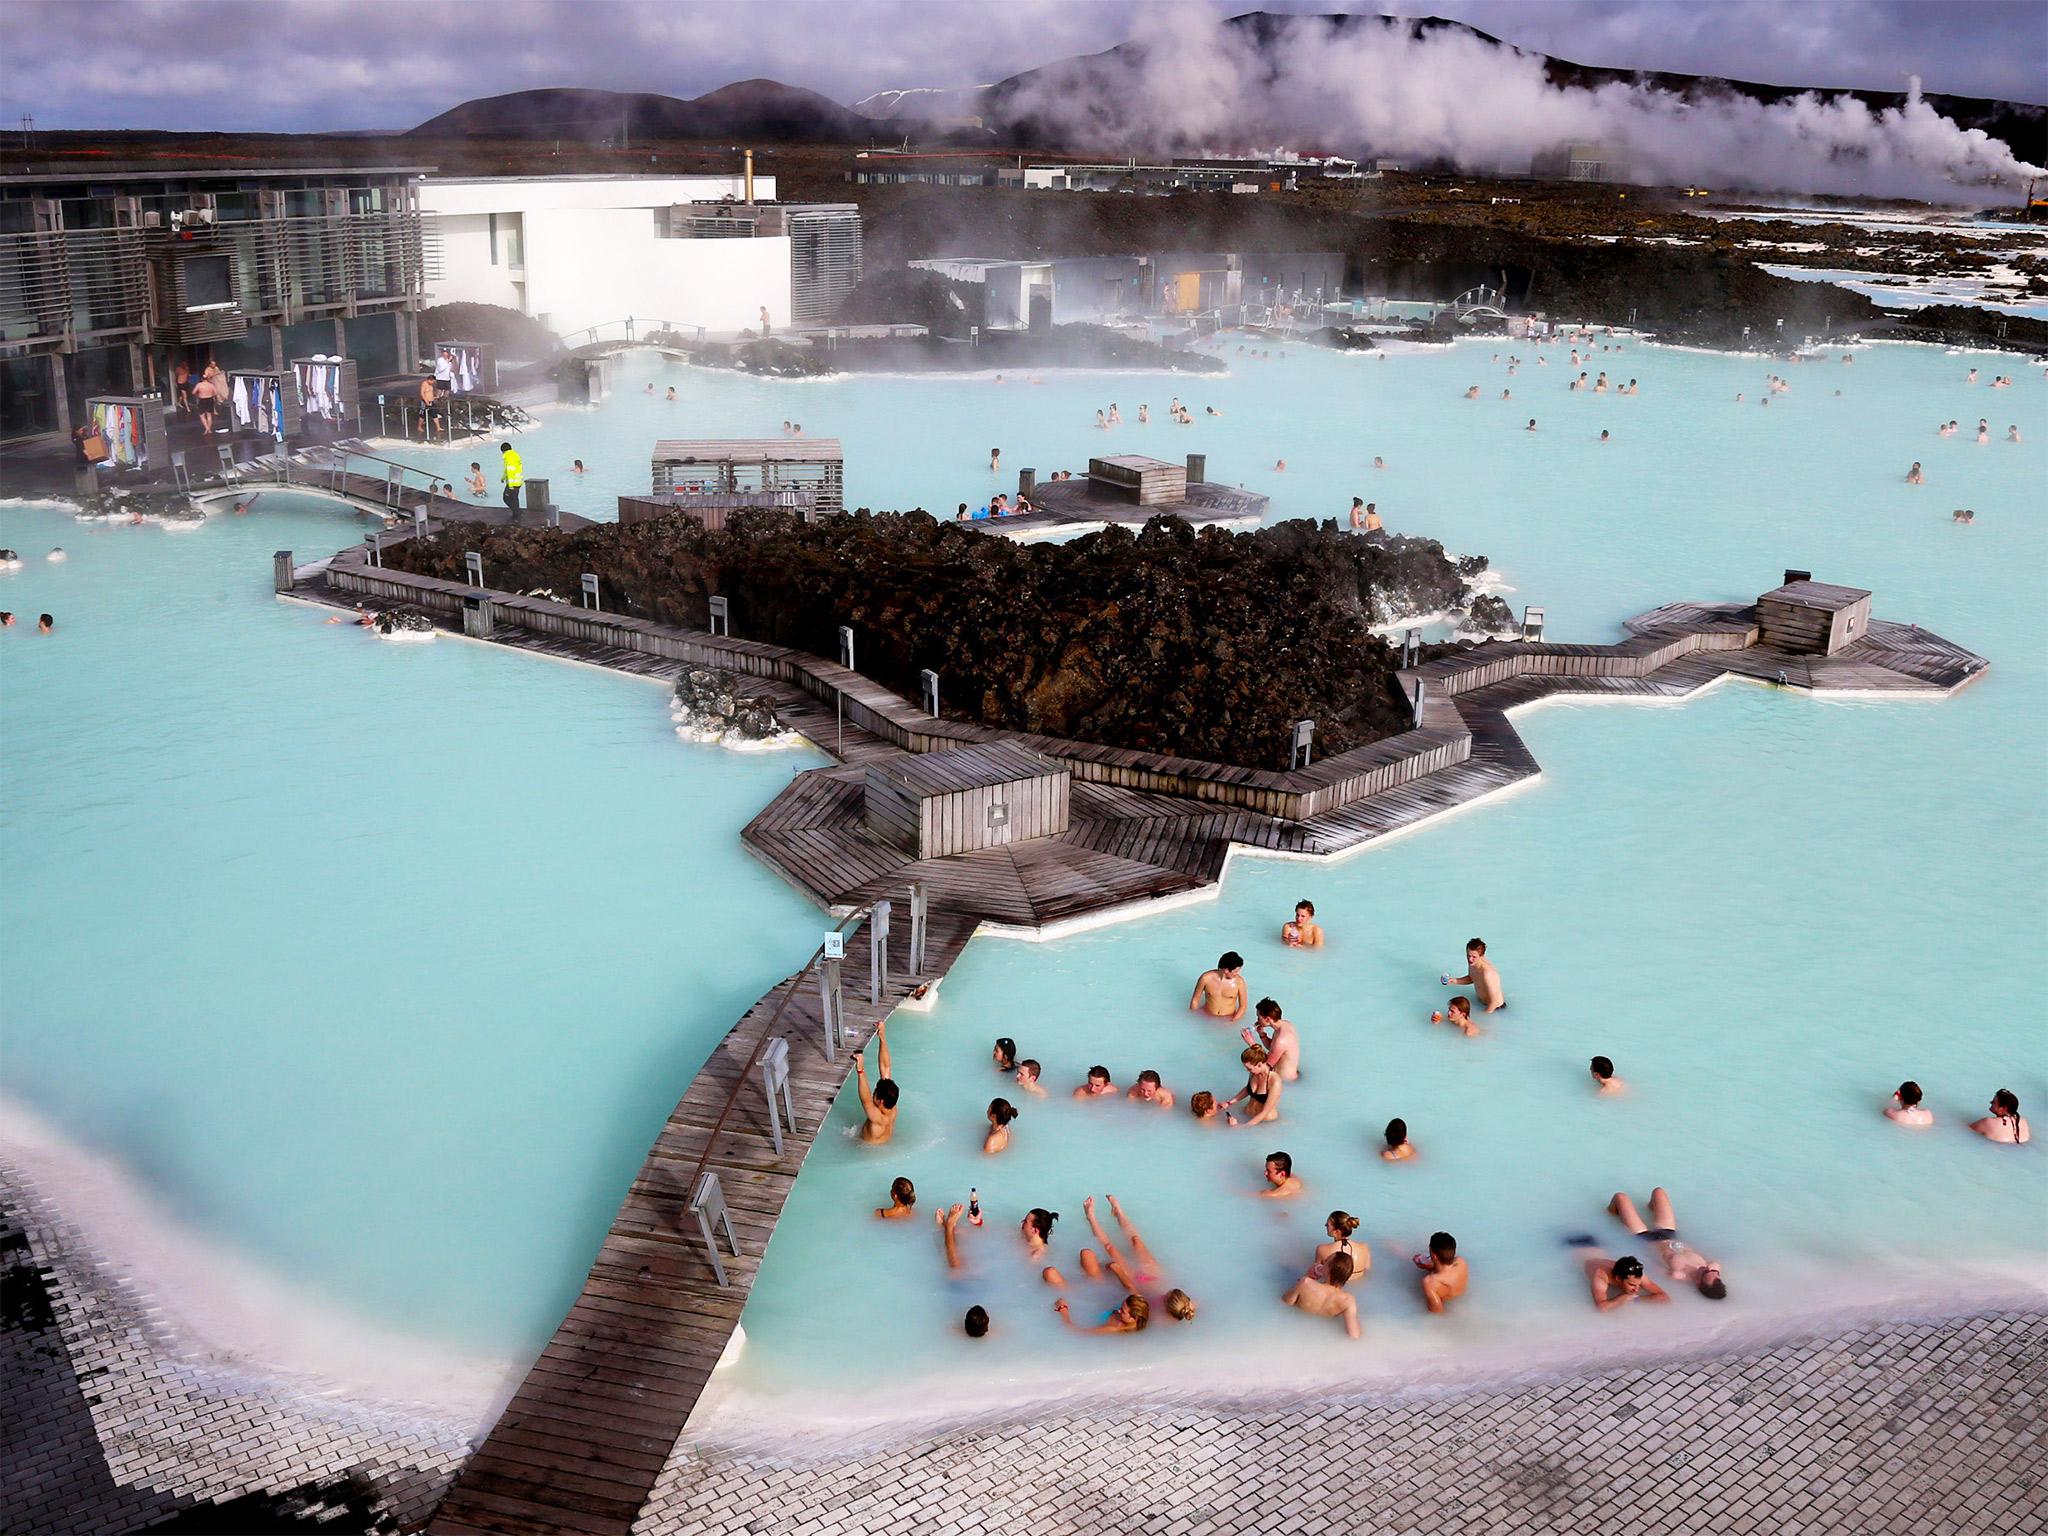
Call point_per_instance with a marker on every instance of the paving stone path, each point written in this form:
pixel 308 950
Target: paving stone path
pixel 1939 1429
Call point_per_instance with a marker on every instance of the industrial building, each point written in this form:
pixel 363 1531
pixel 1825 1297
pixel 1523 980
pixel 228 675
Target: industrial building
pixel 110 279
pixel 1583 162
pixel 1030 295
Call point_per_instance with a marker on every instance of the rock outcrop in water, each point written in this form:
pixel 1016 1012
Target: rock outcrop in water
pixel 725 704
pixel 1207 643
pixel 405 620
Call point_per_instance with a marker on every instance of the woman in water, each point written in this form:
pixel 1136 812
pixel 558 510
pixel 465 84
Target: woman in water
pixel 1399 1149
pixel 1262 1087
pixel 1006 1054
pixel 1340 1226
pixel 1913 475
pixel 1000 1113
pixel 1130 1317
pixel 2004 1124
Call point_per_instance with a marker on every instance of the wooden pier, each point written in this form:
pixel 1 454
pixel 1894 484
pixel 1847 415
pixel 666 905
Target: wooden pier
pixel 594 1423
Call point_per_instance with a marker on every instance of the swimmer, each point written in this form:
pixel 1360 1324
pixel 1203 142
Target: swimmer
pixel 902 1201
pixel 785 429
pixel 1962 515
pixel 1028 1072
pixel 1304 932
pixel 1972 378
pixel 976 1321
pixel 1458 1014
pixel 1472 393
pixel 1340 1225
pixel 1262 1086
pixel 1101 420
pixel 2012 433
pixel 650 390
pixel 1913 475
pixel 671 391
pixel 576 468
pixel 1738 397
pixel 1203 1106
pixel 1906 1108
pixel 1131 1317
pixel 1116 417
pixel 1617 1282
pixel 1685 1265
pixel 1149 1090
pixel 1144 414
pixel 1281 1181
pixel 2005 1123
pixel 1444 1274
pixel 1147 1270
pixel 1358 513
pixel 995 460
pixel 1279 466
pixel 1399 1149
pixel 948 1222
pixel 1327 1298
pixel 1221 992
pixel 476 483
pixel 877 1103
pixel 44 624
pixel 1372 519
pixel 1606 439
pixel 1378 462
pixel 1098 1085
pixel 7 619
pixel 1946 429
pixel 56 554
pixel 1280 1038
pixel 1604 1080
pixel 1000 1113
pixel 1005 1054
pixel 1532 425
pixel 1505 395
pixel 1212 410
pixel 1036 1228
pixel 1983 431
pixel 1480 976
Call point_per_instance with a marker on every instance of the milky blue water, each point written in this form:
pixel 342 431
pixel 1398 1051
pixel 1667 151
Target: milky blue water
pixel 1767 908
pixel 378 966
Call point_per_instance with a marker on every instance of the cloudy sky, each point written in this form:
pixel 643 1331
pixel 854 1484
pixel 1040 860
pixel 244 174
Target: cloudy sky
pixel 342 64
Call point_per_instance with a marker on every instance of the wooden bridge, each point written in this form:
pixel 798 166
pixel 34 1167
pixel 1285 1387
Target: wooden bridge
pixel 591 1428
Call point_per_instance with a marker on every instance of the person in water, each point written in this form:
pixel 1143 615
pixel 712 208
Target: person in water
pixel 1340 1225
pixel 1358 512
pixel 976 1322
pixel 995 460
pixel 1327 1298
pixel 1130 1317
pixel 1617 1282
pixel 1304 932
pixel 1685 1265
pixel 1282 1183
pixel 1005 1054
pixel 1028 1073
pixel 1458 1014
pixel 877 1103
pixel 1913 475
pixel 1262 1087
pixel 576 468
pixel 1149 1090
pixel 1280 1038
pixel 1378 462
pixel 671 392
pixel 948 1222
pixel 1000 1113
pixel 1480 976
pixel 902 1201
pixel 1444 1275
pixel 1399 1149
pixel 1098 1085
pixel 477 486
pixel 2005 1123
pixel 1532 425
pixel 1604 1080
pixel 1373 524
pixel 1221 992
pixel 1906 1108
pixel 44 624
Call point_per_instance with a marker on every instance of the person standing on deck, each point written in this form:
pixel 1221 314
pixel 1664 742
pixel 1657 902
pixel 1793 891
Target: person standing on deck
pixel 515 475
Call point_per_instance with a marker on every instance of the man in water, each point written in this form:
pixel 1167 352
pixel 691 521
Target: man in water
pixel 1444 1275
pixel 1304 932
pixel 1279 1037
pixel 879 1102
pixel 1281 1183
pixel 1617 1282
pixel 977 1322
pixel 1149 1090
pixel 1098 1085
pixel 1481 977
pixel 1320 1299
pixel 45 624
pixel 1906 1108
pixel 1604 1080
pixel 476 485
pixel 1458 1014
pixel 1686 1266
pixel 1027 1078
pixel 1913 475
pixel 1221 993
pixel 1532 425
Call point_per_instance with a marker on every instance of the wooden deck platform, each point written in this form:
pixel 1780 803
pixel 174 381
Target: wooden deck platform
pixel 581 1444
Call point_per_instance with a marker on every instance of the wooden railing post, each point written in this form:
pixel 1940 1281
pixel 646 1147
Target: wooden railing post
pixel 774 1080
pixel 878 952
pixel 920 920
pixel 831 1003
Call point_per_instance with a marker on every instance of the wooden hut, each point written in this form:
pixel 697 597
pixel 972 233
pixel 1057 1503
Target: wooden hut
pixel 1811 618
pixel 938 803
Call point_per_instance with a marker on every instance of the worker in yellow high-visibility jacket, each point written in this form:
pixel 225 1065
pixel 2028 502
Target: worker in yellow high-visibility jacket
pixel 515 476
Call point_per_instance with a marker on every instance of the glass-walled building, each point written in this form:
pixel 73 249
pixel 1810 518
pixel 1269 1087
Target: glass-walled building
pixel 110 279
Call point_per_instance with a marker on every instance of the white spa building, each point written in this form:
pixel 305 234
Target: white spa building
pixel 706 252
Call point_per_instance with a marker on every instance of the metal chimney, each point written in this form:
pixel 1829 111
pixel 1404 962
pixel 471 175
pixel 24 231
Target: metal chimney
pixel 750 178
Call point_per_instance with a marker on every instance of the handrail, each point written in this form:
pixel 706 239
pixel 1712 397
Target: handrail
pixel 789 990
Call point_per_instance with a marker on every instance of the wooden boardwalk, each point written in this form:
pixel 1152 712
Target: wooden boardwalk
pixel 580 1446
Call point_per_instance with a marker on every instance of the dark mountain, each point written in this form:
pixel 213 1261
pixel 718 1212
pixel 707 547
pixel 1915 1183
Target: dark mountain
pixel 1088 97
pixel 758 110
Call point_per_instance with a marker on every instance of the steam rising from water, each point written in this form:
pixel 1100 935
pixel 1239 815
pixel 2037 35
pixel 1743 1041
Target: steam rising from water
pixel 1450 96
